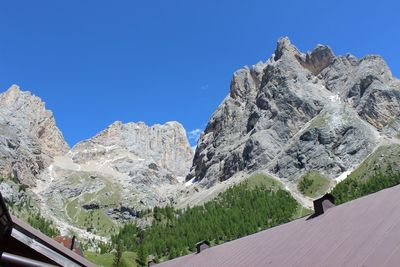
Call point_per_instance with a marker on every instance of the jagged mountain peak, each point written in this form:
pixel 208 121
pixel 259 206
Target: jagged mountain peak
pixel 314 61
pixel 284 47
pixel 119 124
pixel 29 137
pixel 28 112
pixel 318 59
pixel 258 126
pixel 118 129
pixel 15 96
pixel 11 94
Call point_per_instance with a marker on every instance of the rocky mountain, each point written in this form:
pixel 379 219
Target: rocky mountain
pixel 298 112
pixel 29 137
pixel 114 175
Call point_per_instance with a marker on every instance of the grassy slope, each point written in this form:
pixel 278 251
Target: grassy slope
pixel 378 161
pixel 319 121
pixel 260 179
pixel 96 219
pixel 380 170
pixel 301 212
pixel 318 184
pixel 106 260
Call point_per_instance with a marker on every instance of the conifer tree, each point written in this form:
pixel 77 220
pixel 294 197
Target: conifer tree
pixel 142 256
pixel 118 256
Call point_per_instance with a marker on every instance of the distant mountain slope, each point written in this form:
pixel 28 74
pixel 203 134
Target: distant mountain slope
pixel 299 112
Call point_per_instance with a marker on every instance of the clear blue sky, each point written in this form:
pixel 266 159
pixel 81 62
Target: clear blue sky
pixel 94 62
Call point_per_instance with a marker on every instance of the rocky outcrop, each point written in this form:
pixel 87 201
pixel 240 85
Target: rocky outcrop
pixel 10 192
pixel 298 112
pixel 124 214
pixel 91 206
pixel 29 137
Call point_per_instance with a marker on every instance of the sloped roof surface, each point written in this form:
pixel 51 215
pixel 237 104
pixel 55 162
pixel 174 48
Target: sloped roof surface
pixel 53 250
pixel 67 242
pixel 363 232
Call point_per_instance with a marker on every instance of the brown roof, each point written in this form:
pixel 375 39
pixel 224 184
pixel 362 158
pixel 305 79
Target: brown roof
pixel 67 242
pixel 64 240
pixel 363 232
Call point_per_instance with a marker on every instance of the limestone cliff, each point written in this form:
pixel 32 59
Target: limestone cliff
pixel 29 137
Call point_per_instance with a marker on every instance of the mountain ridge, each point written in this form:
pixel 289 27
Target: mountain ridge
pixel 292 114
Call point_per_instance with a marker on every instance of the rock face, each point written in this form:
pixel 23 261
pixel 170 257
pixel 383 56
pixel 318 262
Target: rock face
pixel 298 112
pixel 29 138
pixel 131 147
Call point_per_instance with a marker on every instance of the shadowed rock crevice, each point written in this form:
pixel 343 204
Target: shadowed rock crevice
pixel 320 58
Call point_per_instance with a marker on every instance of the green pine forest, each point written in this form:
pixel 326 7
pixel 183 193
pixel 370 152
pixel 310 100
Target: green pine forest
pixel 353 188
pixel 43 225
pixel 239 211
